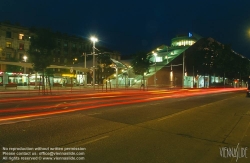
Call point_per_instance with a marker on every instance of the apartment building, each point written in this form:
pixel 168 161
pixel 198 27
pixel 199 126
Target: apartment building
pixel 14 46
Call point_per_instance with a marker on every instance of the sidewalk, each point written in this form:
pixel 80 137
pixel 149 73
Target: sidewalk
pixel 32 89
pixel 58 90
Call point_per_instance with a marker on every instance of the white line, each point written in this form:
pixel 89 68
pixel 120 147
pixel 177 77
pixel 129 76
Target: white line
pixel 92 141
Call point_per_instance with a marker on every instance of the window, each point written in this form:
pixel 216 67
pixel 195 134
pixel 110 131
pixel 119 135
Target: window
pixel 8 44
pixel 8 34
pixel 21 36
pixel 59 42
pixel 73 45
pixel 65 44
pixel 58 60
pixel 21 46
pixel 54 59
pixel 8 55
pixel 20 56
pixel 158 59
pixel 59 70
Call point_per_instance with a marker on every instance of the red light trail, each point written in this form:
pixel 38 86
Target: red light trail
pixel 38 106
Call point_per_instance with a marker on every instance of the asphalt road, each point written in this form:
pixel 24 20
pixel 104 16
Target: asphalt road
pixel 171 129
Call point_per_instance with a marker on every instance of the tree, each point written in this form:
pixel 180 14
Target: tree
pixel 104 69
pixel 42 45
pixel 141 63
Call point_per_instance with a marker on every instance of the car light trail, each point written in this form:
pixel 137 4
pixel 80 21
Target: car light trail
pixel 92 101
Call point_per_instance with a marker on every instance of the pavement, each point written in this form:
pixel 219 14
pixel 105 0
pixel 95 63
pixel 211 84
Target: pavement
pixel 58 90
pixel 80 89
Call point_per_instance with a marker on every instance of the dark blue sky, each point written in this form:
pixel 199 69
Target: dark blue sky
pixel 134 25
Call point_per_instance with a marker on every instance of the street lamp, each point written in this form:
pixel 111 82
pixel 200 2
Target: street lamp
pixel 94 40
pixel 155 54
pixel 25 59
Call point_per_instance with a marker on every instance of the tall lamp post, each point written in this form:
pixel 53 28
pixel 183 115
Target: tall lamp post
pixel 94 40
pixel 155 54
pixel 85 74
pixel 25 59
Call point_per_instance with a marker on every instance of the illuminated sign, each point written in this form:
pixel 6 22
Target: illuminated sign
pixel 190 34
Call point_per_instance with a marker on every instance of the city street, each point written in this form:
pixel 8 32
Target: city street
pixel 180 125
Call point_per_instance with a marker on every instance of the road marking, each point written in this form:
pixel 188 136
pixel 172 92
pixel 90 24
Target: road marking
pixel 92 141
pixel 94 113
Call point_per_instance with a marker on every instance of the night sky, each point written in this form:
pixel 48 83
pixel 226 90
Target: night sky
pixel 135 25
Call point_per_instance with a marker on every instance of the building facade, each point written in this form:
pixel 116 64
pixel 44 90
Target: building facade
pixel 195 62
pixel 14 45
pixel 69 52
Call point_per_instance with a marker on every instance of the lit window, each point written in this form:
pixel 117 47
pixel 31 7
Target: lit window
pixel 21 36
pixel 8 44
pixel 158 59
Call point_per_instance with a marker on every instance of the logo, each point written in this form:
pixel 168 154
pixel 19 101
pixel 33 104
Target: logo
pixel 238 152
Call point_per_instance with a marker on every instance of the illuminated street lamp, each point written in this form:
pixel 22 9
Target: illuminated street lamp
pixel 25 58
pixel 155 54
pixel 94 40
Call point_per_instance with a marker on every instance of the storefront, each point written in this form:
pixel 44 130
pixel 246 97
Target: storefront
pixel 17 78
